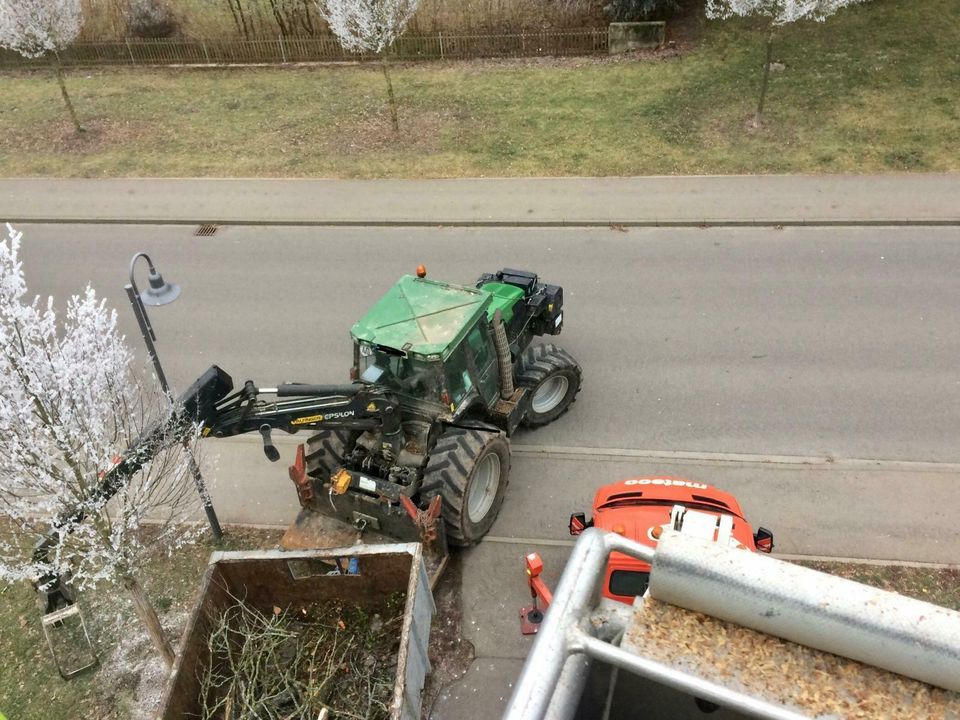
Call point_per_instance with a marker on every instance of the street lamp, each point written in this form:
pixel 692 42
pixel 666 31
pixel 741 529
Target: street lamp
pixel 161 292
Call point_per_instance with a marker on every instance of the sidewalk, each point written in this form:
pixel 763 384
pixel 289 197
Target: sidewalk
pixel 646 201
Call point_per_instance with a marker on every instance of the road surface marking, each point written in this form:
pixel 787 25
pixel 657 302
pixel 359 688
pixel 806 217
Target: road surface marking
pixel 594 453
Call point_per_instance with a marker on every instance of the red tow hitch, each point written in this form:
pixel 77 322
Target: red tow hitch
pixel 532 616
pixel 425 520
pixel 298 473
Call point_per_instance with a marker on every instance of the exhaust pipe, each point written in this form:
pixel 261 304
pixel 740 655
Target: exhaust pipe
pixel 503 356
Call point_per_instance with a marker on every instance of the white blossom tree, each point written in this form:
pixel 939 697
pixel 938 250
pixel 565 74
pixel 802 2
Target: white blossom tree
pixel 370 26
pixel 35 28
pixel 780 13
pixel 86 454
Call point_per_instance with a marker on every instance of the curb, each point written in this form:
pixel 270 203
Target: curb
pixel 614 223
pixel 542 542
pixel 791 557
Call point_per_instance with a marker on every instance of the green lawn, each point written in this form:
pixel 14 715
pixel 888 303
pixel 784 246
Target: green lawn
pixel 874 89
pixel 31 689
pixel 940 587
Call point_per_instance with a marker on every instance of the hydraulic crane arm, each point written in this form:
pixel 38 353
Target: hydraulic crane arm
pixel 357 406
pixel 210 403
pixel 196 405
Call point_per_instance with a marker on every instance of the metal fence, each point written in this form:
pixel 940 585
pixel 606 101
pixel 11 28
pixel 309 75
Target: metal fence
pixel 313 49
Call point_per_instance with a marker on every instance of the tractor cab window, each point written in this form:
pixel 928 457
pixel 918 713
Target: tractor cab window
pixel 479 342
pixel 628 583
pixel 481 360
pixel 459 381
pixel 410 376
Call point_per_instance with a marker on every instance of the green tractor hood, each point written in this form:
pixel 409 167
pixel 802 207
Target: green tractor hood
pixel 429 318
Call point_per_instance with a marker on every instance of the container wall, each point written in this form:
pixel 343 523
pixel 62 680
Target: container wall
pixel 265 579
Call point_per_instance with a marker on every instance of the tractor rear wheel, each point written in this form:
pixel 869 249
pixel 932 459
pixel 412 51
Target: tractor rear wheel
pixel 552 379
pixel 470 470
pixel 324 452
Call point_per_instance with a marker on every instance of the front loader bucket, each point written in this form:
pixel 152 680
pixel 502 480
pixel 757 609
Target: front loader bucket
pixel 69 642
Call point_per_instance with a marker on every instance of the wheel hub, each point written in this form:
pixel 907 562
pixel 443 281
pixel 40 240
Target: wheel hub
pixel 483 489
pixel 550 394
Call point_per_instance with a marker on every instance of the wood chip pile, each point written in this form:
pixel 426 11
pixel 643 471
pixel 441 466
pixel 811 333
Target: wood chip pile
pixel 808 681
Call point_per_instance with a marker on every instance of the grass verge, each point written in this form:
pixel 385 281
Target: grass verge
pixel 937 586
pixel 31 688
pixel 874 89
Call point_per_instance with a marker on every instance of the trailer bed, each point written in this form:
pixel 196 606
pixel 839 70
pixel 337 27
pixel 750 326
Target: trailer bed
pixel 274 580
pixel 798 678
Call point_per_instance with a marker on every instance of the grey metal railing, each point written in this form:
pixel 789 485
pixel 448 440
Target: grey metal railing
pixel 810 608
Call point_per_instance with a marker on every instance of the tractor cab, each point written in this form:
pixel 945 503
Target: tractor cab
pixel 432 342
pixel 641 509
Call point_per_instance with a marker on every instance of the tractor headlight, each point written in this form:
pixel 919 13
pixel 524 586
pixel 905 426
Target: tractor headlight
pixel 366 350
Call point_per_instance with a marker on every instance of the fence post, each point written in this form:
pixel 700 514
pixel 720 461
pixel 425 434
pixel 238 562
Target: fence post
pixel 440 35
pixel 130 50
pixel 283 52
pixel 205 53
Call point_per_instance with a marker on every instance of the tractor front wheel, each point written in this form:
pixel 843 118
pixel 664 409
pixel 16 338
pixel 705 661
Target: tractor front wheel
pixel 470 469
pixel 552 379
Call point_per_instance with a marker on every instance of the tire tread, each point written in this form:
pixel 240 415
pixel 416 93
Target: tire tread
pixel 448 473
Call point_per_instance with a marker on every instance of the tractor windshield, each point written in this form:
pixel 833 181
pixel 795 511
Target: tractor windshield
pixel 410 376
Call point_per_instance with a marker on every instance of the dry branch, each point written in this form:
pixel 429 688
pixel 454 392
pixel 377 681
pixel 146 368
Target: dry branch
pixel 300 662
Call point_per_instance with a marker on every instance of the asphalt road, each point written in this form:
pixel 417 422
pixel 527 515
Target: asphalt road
pixel 813 372
pixel 839 342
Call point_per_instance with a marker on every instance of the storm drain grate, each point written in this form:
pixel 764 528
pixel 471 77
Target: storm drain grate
pixel 206 230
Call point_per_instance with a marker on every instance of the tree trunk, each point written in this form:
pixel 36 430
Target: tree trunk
pixel 758 118
pixel 278 17
pixel 243 20
pixel 63 91
pixel 148 616
pixel 390 96
pixel 308 23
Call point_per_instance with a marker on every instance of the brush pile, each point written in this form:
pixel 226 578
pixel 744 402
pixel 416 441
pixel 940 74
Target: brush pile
pixel 302 662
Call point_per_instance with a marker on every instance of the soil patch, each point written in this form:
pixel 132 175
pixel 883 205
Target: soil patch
pixel 419 131
pixel 450 655
pixel 59 136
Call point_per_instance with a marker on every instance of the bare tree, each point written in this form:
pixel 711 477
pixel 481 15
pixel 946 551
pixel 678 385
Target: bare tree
pixel 370 26
pixel 84 449
pixel 780 12
pixel 39 27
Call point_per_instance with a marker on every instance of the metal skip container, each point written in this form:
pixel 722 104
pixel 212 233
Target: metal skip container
pixel 361 575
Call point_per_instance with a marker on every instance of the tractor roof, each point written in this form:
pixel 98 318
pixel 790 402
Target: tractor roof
pixel 421 316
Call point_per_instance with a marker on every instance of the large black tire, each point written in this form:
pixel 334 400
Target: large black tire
pixel 459 470
pixel 552 379
pixel 324 452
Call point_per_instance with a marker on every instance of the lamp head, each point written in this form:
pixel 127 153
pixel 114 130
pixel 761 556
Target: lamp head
pixel 160 292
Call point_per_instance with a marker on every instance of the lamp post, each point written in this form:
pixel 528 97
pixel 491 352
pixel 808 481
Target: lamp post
pixel 163 293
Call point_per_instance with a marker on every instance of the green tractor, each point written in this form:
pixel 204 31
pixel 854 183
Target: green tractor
pixel 417 446
pixel 459 369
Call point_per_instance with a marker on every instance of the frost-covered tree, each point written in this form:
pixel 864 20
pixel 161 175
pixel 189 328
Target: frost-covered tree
pixel 35 28
pixel 370 26
pixel 86 453
pixel 780 13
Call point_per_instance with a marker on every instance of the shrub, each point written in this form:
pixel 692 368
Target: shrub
pixel 633 10
pixel 151 19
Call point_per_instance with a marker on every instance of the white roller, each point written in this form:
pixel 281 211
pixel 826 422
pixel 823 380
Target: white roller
pixel 880 628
